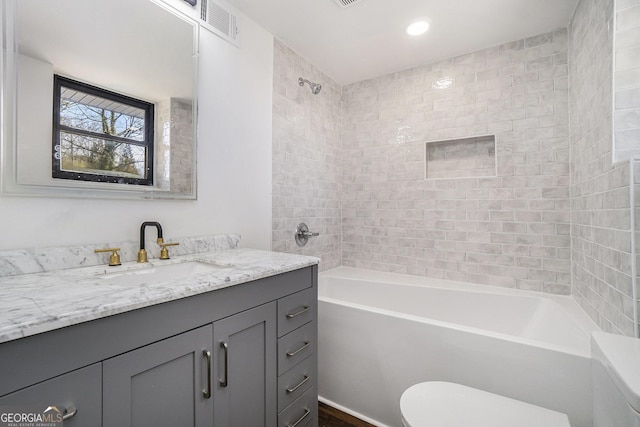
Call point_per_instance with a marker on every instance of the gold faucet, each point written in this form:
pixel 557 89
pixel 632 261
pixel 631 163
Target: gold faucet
pixel 114 258
pixel 164 252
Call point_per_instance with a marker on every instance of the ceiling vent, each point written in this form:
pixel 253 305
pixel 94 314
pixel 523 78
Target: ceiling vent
pixel 346 3
pixel 220 21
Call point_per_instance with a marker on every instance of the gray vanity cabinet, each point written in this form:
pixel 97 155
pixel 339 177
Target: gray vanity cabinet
pixel 245 377
pixel 241 356
pixel 162 384
pixel 68 392
pixel 297 359
pixel 185 381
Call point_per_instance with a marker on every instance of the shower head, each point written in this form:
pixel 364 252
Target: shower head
pixel 315 87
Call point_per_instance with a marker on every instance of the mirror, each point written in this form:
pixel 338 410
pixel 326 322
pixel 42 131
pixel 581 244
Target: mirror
pixel 140 49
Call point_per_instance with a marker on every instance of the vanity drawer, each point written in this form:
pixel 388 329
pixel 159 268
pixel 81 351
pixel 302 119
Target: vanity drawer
pixel 295 382
pixel 295 347
pixel 301 412
pixel 296 310
pixel 77 394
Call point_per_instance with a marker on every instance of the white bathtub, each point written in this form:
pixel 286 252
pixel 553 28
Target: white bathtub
pixel 380 333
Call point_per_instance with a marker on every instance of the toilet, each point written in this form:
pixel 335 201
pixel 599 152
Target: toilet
pixel 616 396
pixel 616 380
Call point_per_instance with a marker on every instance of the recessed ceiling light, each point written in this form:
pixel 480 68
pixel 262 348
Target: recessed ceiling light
pixel 418 28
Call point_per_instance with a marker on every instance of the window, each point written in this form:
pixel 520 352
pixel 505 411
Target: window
pixel 101 136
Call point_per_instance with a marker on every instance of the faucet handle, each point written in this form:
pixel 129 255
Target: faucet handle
pixel 164 252
pixel 303 234
pixel 114 258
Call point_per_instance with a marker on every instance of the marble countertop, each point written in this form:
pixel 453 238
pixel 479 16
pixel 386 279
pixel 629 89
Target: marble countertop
pixel 34 303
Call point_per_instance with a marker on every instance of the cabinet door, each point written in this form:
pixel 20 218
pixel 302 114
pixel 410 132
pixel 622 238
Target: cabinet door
pixel 77 395
pixel 245 371
pixel 162 384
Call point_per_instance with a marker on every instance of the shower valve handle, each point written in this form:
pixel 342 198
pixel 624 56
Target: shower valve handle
pixel 303 234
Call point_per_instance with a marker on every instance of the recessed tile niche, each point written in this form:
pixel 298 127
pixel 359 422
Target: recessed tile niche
pixel 461 158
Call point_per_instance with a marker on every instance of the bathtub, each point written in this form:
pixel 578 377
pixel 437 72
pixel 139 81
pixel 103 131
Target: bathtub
pixel 380 333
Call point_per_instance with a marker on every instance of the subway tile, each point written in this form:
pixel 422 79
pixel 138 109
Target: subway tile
pixel 627 118
pixel 543 275
pixel 538 40
pixel 543 252
pixel 629 98
pixel 539 63
pixel 628 18
pixel 560 58
pixel 628 38
pixel 540 86
pixel 625 4
pixel 554 72
pixel 628 58
pixel 556 265
pixel 511 230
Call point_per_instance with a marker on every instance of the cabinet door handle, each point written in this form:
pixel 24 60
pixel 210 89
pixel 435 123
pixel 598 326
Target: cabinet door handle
pixel 293 353
pixel 306 414
pixel 298 313
pixel 206 393
pixel 225 381
pixel 300 384
pixel 69 412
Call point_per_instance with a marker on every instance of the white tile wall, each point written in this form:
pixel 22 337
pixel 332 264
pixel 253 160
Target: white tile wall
pixel 601 230
pixel 510 230
pixel 636 189
pixel 174 153
pixel 627 79
pixel 181 130
pixel 556 218
pixel 461 158
pixel 307 166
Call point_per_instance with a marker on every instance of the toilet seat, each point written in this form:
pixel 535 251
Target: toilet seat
pixel 443 404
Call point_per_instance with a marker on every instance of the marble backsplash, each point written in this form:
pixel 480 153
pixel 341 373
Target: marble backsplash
pixel 40 260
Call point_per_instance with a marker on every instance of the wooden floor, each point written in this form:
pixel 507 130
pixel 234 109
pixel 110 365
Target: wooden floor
pixel 331 417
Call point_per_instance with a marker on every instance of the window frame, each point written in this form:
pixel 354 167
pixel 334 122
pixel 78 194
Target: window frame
pixel 148 141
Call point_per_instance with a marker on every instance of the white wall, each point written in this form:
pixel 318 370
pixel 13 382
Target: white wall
pixel 234 164
pixel 34 124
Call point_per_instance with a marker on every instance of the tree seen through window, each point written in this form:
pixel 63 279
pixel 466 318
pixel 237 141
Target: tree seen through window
pixel 102 136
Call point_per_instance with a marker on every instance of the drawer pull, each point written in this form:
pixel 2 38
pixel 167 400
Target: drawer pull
pixel 292 389
pixel 69 412
pixel 298 313
pixel 306 414
pixel 225 381
pixel 206 393
pixel 293 353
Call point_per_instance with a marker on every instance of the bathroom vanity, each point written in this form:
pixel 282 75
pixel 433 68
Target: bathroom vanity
pixel 231 346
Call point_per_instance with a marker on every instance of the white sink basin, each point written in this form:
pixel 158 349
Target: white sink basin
pixel 159 273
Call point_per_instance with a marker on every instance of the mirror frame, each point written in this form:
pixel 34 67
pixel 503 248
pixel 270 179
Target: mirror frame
pixel 9 184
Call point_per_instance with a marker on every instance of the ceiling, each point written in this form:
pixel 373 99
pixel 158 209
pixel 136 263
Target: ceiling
pixel 368 38
pixel 150 58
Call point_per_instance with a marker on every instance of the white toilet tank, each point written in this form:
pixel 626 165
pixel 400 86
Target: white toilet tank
pixel 616 380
